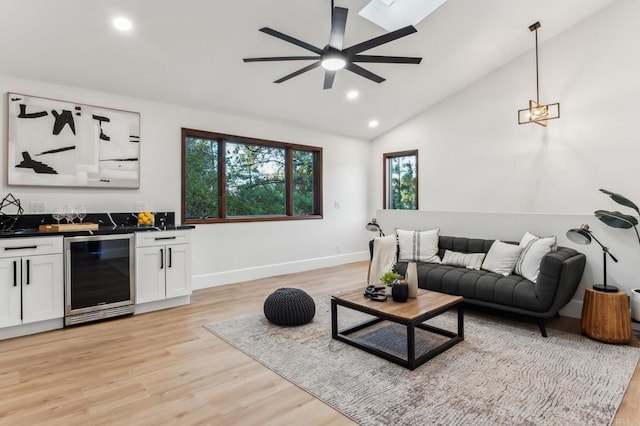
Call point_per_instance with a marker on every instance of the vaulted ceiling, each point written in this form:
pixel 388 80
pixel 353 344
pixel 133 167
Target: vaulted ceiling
pixel 189 53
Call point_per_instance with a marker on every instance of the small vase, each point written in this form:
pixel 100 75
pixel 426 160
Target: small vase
pixel 387 290
pixel 412 279
pixel 400 291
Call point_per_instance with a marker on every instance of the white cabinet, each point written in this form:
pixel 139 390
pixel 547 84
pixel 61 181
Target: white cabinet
pixel 31 280
pixel 163 265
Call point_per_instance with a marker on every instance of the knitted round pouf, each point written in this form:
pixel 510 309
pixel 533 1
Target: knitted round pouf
pixel 289 306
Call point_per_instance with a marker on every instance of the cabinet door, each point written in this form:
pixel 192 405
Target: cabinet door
pixel 150 276
pixel 178 270
pixel 10 292
pixel 42 288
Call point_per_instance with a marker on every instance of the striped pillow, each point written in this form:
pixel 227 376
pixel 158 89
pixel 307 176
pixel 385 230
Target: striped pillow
pixel 418 246
pixel 467 260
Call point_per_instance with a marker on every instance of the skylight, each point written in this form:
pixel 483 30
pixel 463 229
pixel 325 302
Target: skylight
pixel 399 13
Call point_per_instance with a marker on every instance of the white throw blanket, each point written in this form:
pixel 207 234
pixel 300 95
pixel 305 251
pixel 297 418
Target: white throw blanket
pixel 384 257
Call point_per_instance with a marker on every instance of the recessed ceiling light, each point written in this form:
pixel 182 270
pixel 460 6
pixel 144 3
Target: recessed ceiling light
pixel 373 123
pixel 352 94
pixel 123 24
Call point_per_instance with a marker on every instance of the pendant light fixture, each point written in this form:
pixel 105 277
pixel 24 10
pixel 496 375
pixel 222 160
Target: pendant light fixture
pixel 538 113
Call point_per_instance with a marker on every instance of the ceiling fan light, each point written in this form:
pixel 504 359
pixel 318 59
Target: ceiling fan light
pixel 333 63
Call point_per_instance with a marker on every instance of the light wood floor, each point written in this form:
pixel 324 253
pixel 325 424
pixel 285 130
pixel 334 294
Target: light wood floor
pixel 165 368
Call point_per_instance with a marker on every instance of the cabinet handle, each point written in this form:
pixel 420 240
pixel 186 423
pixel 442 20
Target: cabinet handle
pixel 161 258
pixel 28 279
pixel 20 248
pixel 165 238
pixel 169 257
pixel 15 273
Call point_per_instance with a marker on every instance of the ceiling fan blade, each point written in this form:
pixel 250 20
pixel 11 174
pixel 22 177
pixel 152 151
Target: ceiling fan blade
pixel 363 72
pixel 338 26
pixel 329 76
pixel 289 39
pixel 297 73
pixel 386 59
pixel 282 58
pixel 374 42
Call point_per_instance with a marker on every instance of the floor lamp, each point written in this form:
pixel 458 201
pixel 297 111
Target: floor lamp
pixel 584 236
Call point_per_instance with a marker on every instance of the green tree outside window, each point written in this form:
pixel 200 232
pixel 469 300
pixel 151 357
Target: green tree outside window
pixel 401 180
pixel 228 178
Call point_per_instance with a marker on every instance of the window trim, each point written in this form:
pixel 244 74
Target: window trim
pixel 385 161
pixel 222 179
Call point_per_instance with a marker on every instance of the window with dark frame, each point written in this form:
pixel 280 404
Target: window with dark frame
pixel 227 178
pixel 400 186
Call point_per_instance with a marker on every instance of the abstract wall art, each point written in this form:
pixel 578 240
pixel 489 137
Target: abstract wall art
pixel 59 143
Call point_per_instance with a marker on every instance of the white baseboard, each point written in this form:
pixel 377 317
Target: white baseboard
pixel 573 309
pixel 266 271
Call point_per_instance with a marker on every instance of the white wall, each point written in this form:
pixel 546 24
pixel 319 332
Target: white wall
pixel 222 253
pixel 474 157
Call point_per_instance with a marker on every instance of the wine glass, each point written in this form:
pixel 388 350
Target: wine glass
pixel 69 213
pixel 81 211
pixel 72 214
pixel 57 215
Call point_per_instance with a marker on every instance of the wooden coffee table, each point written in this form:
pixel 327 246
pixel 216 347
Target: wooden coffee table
pixel 411 314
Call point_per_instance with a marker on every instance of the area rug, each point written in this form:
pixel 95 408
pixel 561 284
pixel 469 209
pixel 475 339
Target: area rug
pixel 502 373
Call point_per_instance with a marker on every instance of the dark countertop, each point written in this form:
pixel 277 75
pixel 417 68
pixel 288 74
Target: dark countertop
pixel 103 230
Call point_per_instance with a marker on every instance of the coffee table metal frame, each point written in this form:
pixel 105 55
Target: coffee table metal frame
pixel 412 362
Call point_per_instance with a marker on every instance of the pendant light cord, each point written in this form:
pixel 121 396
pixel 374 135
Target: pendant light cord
pixel 537 71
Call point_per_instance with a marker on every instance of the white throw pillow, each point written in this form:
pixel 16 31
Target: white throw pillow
pixel 533 250
pixel 501 258
pixel 418 246
pixel 528 237
pixel 467 260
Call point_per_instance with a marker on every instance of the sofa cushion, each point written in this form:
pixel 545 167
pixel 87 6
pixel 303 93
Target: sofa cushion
pixel 501 258
pixel 418 246
pixel 463 245
pixel 466 260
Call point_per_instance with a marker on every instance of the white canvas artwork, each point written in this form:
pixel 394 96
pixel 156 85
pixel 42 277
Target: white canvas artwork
pixel 58 143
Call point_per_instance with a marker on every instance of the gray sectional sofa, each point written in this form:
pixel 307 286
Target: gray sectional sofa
pixel 560 274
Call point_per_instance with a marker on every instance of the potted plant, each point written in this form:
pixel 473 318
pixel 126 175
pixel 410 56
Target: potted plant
pixel 617 219
pixel 388 278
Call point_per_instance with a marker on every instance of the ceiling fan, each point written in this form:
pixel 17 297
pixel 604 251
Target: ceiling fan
pixel 334 57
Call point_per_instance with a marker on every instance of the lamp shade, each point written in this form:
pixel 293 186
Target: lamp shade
pixel 374 227
pixel 580 236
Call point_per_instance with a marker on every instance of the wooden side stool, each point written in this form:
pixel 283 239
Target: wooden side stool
pixel 606 317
